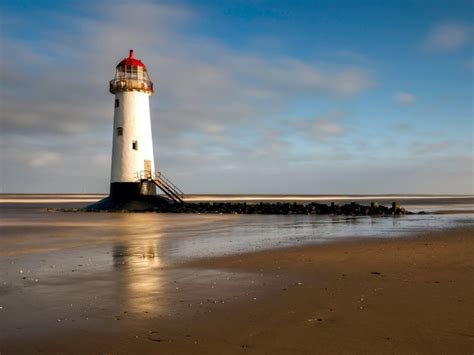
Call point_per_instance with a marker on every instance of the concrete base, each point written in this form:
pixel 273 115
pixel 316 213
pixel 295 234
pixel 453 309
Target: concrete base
pixel 128 197
pixel 130 190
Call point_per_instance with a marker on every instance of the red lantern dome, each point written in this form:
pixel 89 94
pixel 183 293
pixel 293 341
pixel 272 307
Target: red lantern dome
pixel 131 75
pixel 131 61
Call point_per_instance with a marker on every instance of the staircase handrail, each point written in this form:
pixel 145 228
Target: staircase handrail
pixel 160 179
pixel 168 190
pixel 168 181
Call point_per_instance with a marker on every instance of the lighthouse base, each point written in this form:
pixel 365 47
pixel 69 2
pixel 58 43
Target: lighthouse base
pixel 131 190
pixel 130 197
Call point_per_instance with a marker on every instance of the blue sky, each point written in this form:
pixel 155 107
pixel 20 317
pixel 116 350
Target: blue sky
pixel 252 97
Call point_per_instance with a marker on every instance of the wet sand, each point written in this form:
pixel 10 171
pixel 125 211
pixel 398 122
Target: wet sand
pixel 409 295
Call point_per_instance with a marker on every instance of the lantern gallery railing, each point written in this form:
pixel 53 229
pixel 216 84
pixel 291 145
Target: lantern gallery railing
pixel 130 85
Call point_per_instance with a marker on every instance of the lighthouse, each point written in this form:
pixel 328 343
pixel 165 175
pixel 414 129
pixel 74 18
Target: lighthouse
pixel 132 143
pixel 133 178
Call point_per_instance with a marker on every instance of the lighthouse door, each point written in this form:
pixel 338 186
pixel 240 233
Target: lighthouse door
pixel 148 169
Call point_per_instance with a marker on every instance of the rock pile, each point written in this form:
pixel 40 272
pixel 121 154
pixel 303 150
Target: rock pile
pixel 351 209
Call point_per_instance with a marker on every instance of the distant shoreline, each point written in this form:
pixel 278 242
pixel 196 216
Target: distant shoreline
pixel 90 197
pixel 404 195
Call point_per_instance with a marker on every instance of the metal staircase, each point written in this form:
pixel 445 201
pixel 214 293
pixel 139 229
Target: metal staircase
pixel 163 183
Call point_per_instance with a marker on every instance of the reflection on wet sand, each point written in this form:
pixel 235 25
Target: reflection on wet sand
pixel 137 262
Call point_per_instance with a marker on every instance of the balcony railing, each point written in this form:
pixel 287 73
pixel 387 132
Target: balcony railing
pixel 130 85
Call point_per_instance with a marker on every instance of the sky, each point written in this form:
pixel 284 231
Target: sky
pixel 262 97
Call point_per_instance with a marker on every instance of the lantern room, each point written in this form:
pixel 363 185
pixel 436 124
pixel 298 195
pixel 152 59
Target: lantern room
pixel 131 75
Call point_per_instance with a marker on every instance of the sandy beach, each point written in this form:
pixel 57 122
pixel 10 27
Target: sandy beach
pixel 411 295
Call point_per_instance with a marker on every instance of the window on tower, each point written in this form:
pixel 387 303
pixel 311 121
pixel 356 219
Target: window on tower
pixel 117 103
pixel 134 145
pixel 119 131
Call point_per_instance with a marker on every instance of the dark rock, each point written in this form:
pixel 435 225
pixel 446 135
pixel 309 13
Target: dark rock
pixel 158 204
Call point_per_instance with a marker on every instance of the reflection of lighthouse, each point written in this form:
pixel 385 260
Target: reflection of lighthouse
pixel 141 280
pixel 133 178
pixel 132 152
pixel 141 283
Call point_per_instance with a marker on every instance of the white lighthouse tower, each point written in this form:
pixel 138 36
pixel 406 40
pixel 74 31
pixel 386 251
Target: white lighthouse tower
pixel 133 179
pixel 132 152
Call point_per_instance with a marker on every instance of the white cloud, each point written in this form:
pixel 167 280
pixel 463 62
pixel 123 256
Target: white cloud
pixel 328 128
pixel 43 159
pixel 448 36
pixel 404 98
pixel 322 127
pixel 352 81
pixel 433 147
pixel 201 84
